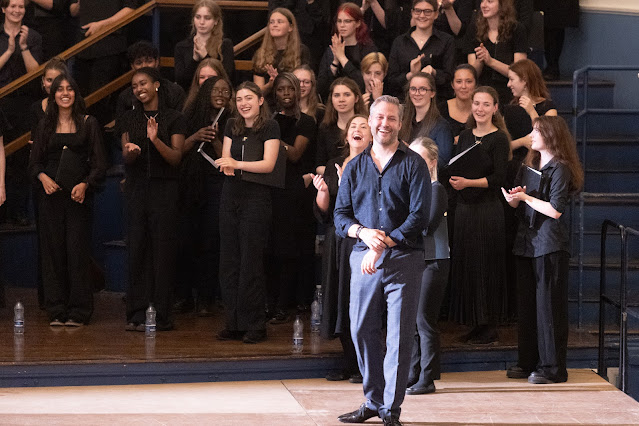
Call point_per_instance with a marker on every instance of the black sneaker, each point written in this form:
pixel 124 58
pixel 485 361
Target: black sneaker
pixel 516 372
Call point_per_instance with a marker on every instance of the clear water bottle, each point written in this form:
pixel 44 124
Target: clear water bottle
pixel 149 324
pixel 316 317
pixel 298 334
pixel 18 318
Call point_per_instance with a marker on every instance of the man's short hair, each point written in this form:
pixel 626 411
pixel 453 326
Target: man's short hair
pixel 142 49
pixel 389 100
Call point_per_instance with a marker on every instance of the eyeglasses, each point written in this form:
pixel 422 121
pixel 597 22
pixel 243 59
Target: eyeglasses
pixel 421 90
pixel 223 92
pixel 345 21
pixel 425 12
pixel 305 82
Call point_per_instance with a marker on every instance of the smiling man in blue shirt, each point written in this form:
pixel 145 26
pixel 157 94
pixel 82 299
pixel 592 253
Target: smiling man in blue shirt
pixel 384 201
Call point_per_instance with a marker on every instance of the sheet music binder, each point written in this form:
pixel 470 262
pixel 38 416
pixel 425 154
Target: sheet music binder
pixel 206 150
pixel 276 178
pixel 73 168
pixel 532 179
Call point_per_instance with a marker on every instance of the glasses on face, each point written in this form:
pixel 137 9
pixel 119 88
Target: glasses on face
pixel 221 92
pixel 421 90
pixel 305 82
pixel 426 12
pixel 345 21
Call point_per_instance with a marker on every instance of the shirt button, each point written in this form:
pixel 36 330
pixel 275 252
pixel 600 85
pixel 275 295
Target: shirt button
pixel 380 192
pixel 380 209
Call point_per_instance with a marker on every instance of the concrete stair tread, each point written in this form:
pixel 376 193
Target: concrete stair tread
pixel 568 83
pixel 611 198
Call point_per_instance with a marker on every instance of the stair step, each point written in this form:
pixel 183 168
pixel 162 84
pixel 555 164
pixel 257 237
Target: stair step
pixel 600 93
pixel 611 180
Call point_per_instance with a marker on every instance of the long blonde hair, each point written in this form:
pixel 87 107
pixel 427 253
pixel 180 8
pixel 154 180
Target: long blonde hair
pixel 291 58
pixel 313 101
pixel 214 43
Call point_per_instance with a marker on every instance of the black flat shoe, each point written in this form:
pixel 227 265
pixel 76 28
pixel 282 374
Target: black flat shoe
pixel 516 372
pixel 254 336
pixel 336 376
pixel 356 378
pixel 360 415
pixel 421 389
pixel 229 335
pixel 392 421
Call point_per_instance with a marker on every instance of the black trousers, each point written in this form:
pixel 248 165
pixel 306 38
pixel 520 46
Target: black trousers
pixel 199 259
pixel 245 218
pixel 65 238
pixel 553 45
pixel 152 245
pixel 425 359
pixel 543 313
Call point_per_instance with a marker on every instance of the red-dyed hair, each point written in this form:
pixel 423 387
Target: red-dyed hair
pixel 362 35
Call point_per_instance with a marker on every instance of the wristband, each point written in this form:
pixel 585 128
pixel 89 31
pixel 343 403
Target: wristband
pixel 359 229
pixel 333 65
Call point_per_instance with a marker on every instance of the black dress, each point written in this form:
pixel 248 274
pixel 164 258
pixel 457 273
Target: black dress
pixel 329 143
pixel 477 295
pixel 336 270
pixel 456 127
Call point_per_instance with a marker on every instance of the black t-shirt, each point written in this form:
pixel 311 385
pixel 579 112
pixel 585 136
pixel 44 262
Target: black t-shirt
pixel 250 140
pixel 150 163
pixel 290 128
pixel 329 143
pixel 15 66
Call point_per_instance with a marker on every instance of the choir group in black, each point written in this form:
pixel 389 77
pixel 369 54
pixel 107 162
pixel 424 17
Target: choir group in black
pixel 224 185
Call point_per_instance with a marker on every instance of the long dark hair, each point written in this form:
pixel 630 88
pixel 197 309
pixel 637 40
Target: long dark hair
pixel 200 111
pixel 507 22
pixel 560 143
pixel 239 126
pixel 52 114
pixel 330 117
pixel 430 119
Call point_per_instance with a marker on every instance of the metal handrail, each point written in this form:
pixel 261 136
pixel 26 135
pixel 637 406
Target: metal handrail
pixel 621 304
pixel 602 291
pixel 581 77
pixel 151 6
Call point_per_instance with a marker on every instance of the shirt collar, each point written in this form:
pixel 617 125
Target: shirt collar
pixel 402 147
pixel 551 164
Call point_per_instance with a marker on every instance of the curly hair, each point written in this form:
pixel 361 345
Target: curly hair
pixel 507 22
pixel 265 55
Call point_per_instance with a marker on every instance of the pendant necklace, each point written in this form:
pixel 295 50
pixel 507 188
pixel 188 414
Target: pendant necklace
pixel 151 117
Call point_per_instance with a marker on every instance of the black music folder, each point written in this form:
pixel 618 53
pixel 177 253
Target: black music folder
pixel 276 178
pixel 73 168
pixel 532 180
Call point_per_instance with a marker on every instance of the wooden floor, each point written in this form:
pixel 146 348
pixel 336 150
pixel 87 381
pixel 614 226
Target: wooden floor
pixel 105 341
pixel 479 398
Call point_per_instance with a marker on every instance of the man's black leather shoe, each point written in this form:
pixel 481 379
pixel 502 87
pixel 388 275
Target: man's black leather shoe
pixel 516 372
pixel 539 378
pixel 421 389
pixel 360 415
pixel 392 421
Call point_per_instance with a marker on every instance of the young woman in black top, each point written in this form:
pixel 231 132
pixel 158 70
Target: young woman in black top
pixel 374 69
pixel 245 214
pixel 421 49
pixel 336 270
pixel 422 118
pixel 456 111
pixel 200 191
pixel 494 41
pixel 425 365
pixel 290 273
pixel 344 101
pixel 349 44
pixel 69 161
pixel 529 92
pixel 281 50
pixel 542 253
pixel 152 140
pixel 309 99
pixel 477 294
pixel 205 41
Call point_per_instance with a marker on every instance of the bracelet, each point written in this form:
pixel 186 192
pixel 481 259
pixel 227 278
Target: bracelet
pixel 359 229
pixel 333 65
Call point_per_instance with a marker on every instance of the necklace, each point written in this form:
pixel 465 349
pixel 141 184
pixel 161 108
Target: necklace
pixel 478 139
pixel 151 117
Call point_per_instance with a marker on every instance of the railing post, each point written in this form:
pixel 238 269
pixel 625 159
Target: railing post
pixel 623 334
pixel 155 31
